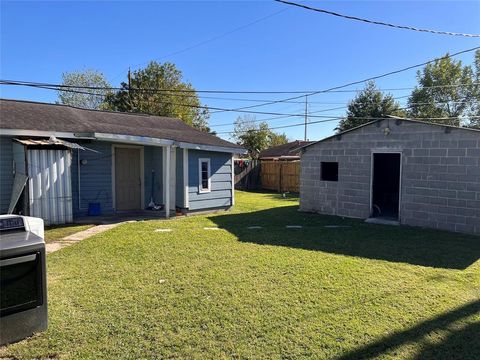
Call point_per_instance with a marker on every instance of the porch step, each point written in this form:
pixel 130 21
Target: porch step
pixel 381 221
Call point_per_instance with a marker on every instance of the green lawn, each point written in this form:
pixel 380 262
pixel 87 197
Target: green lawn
pixel 354 292
pixel 55 233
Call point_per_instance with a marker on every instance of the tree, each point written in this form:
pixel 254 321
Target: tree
pixel 149 93
pixel 277 139
pixel 474 112
pixel 84 98
pixel 254 136
pixel 445 89
pixel 369 103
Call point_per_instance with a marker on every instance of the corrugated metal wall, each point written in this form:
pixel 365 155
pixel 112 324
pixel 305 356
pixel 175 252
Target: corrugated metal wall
pixel 50 185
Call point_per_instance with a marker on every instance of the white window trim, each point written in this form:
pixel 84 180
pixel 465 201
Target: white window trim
pixel 200 190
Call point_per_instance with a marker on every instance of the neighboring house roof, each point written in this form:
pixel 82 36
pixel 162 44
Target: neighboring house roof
pixel 290 150
pixel 396 118
pixel 45 117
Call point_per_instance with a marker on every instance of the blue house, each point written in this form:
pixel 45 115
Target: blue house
pixel 62 163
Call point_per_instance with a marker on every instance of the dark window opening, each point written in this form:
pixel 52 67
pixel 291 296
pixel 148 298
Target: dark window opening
pixel 329 171
pixel 204 175
pixel 386 186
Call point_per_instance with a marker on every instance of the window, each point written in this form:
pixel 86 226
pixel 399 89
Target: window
pixel 329 171
pixel 204 175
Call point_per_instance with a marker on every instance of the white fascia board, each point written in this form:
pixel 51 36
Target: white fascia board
pixel 42 133
pixel 185 145
pixel 132 139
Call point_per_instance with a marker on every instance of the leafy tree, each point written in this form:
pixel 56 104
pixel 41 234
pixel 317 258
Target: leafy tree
pixel 84 98
pixel 474 111
pixel 445 89
pixel 277 139
pixel 254 136
pixel 149 94
pixel 369 103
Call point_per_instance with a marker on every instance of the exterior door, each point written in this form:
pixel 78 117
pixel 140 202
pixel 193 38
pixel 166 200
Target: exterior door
pixel 386 185
pixel 128 179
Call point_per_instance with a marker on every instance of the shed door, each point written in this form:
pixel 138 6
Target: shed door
pixel 128 182
pixel 50 185
pixel 386 185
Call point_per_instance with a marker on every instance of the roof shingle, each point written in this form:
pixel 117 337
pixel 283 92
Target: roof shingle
pixel 28 115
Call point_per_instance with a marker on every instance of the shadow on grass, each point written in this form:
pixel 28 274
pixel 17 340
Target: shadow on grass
pixel 354 238
pixel 463 343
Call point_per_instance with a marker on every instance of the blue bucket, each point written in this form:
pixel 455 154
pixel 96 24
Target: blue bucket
pixel 94 209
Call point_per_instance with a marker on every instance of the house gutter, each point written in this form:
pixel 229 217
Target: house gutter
pixel 232 150
pixel 130 139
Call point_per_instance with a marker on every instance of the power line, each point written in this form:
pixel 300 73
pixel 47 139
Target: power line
pixel 359 118
pixel 281 115
pixel 438 32
pixel 343 107
pixel 192 92
pixel 185 105
pixel 203 42
pixel 362 81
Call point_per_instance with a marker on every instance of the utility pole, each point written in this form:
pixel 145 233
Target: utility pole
pixel 306 117
pixel 129 89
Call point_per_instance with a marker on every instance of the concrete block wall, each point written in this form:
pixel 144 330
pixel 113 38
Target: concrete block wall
pixel 440 184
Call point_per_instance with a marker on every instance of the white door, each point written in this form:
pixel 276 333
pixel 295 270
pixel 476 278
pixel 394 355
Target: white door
pixel 173 177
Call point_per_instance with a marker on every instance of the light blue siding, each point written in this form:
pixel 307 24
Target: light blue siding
pixel 6 172
pixel 179 193
pixel 153 162
pixel 95 178
pixel 19 157
pixel 221 180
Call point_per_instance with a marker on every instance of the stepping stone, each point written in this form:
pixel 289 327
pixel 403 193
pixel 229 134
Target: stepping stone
pixel 163 230
pixel 254 227
pixel 211 228
pixel 293 226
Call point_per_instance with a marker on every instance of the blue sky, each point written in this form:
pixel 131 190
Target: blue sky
pixel 289 51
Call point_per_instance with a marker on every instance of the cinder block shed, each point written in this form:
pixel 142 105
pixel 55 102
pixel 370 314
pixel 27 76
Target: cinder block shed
pixel 396 170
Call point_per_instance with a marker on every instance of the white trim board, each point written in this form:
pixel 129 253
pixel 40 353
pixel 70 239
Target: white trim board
pixel 200 189
pixel 128 139
pixel 186 200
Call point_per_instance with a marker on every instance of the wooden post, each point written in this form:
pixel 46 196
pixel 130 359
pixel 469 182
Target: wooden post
pixel 279 165
pixel 166 179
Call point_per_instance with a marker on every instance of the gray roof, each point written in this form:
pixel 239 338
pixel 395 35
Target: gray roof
pixel 36 116
pixel 290 149
pixel 393 118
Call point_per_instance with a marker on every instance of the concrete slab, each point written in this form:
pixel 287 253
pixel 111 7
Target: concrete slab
pixel 77 237
pixel 380 221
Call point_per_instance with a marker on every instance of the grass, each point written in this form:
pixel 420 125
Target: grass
pixel 55 233
pixel 359 291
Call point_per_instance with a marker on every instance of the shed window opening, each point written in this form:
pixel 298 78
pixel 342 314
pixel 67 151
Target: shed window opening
pixel 204 180
pixel 329 171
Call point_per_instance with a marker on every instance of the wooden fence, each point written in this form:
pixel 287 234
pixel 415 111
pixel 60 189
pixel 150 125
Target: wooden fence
pixel 280 176
pixel 247 174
